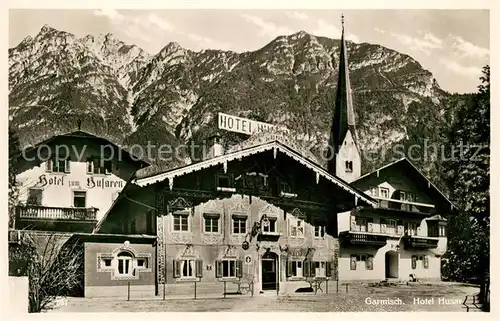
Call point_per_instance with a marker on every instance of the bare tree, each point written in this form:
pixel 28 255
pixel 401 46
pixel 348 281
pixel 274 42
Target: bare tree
pixel 53 266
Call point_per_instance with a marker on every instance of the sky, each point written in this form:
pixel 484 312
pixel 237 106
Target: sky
pixel 452 44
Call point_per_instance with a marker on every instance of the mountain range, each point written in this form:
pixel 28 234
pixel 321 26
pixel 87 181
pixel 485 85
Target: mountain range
pixel 129 96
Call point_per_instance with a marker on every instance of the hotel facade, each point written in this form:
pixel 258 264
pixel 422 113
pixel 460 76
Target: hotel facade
pixel 263 216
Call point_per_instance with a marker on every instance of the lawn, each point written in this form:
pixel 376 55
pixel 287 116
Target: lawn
pixel 359 298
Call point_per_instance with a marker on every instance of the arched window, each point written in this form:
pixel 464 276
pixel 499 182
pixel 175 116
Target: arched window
pixel 125 260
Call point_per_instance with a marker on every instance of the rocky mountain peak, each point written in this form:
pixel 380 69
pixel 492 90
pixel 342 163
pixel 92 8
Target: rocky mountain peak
pixel 174 96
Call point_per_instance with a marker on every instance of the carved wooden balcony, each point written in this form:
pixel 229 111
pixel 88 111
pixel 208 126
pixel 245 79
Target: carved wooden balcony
pixel 363 238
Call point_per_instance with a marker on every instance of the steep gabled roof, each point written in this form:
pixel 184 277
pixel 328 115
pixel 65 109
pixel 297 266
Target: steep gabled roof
pixel 412 171
pixel 84 134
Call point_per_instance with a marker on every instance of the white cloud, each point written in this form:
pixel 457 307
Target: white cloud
pixel 425 45
pixel 379 30
pixel 111 14
pixel 326 29
pixel 267 28
pixel 297 15
pixel 160 23
pixel 207 42
pixel 433 39
pixel 457 68
pixel 137 27
pixel 467 49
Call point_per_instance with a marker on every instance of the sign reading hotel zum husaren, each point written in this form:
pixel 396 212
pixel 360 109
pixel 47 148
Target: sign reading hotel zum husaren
pixel 242 125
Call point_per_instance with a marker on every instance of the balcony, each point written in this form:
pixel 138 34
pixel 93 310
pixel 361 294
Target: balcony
pixel 60 219
pixel 355 238
pixel 406 206
pixel 420 242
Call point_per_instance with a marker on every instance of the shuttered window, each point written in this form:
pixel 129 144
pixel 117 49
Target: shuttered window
pixel 188 268
pixel 426 262
pixel 295 268
pixel 229 268
pixel 414 259
pixel 353 262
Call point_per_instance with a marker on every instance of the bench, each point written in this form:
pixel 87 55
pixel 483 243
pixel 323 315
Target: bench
pixel 471 301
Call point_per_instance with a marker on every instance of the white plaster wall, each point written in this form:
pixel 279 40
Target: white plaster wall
pixel 348 151
pixel 378 272
pixel 58 187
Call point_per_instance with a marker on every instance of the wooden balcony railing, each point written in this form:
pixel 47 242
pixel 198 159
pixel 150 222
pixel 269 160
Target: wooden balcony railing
pixel 364 239
pixel 56 213
pixel 420 242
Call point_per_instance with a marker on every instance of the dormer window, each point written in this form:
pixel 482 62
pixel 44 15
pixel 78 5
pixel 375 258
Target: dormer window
pixel 384 192
pixel 348 166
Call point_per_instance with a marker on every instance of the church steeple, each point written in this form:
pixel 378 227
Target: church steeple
pixel 346 159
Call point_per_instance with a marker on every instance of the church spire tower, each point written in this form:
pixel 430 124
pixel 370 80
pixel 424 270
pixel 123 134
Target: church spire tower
pixel 344 159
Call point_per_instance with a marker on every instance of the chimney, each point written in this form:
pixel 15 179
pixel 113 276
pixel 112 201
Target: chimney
pixel 214 147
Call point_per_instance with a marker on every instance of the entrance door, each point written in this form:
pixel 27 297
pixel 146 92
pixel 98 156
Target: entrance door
pixel 391 264
pixel 269 271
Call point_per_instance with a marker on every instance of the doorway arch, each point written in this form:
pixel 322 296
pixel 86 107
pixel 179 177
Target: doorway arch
pixel 391 264
pixel 269 268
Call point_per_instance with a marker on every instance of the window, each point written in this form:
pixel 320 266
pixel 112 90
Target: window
pixel 297 228
pixel 384 192
pixel 373 191
pixel 229 268
pixel 35 196
pixel 181 222
pixel 319 231
pixel 361 224
pixel 285 187
pixel 409 197
pixel 107 262
pixel 269 225
pixel 362 259
pixel 211 223
pixel 239 225
pixel 442 230
pixel 418 261
pixel 391 226
pixel 320 269
pixel 188 268
pixel 79 198
pixel 224 181
pixel 295 268
pixel 412 229
pixel 142 263
pixel 348 166
pixel 97 165
pixel 125 264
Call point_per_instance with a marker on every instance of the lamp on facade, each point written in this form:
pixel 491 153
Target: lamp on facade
pixel 397 247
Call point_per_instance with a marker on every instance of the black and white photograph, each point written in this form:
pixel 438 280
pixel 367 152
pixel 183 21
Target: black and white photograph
pixel 248 160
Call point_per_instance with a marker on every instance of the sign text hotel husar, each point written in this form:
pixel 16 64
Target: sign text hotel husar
pixel 242 125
